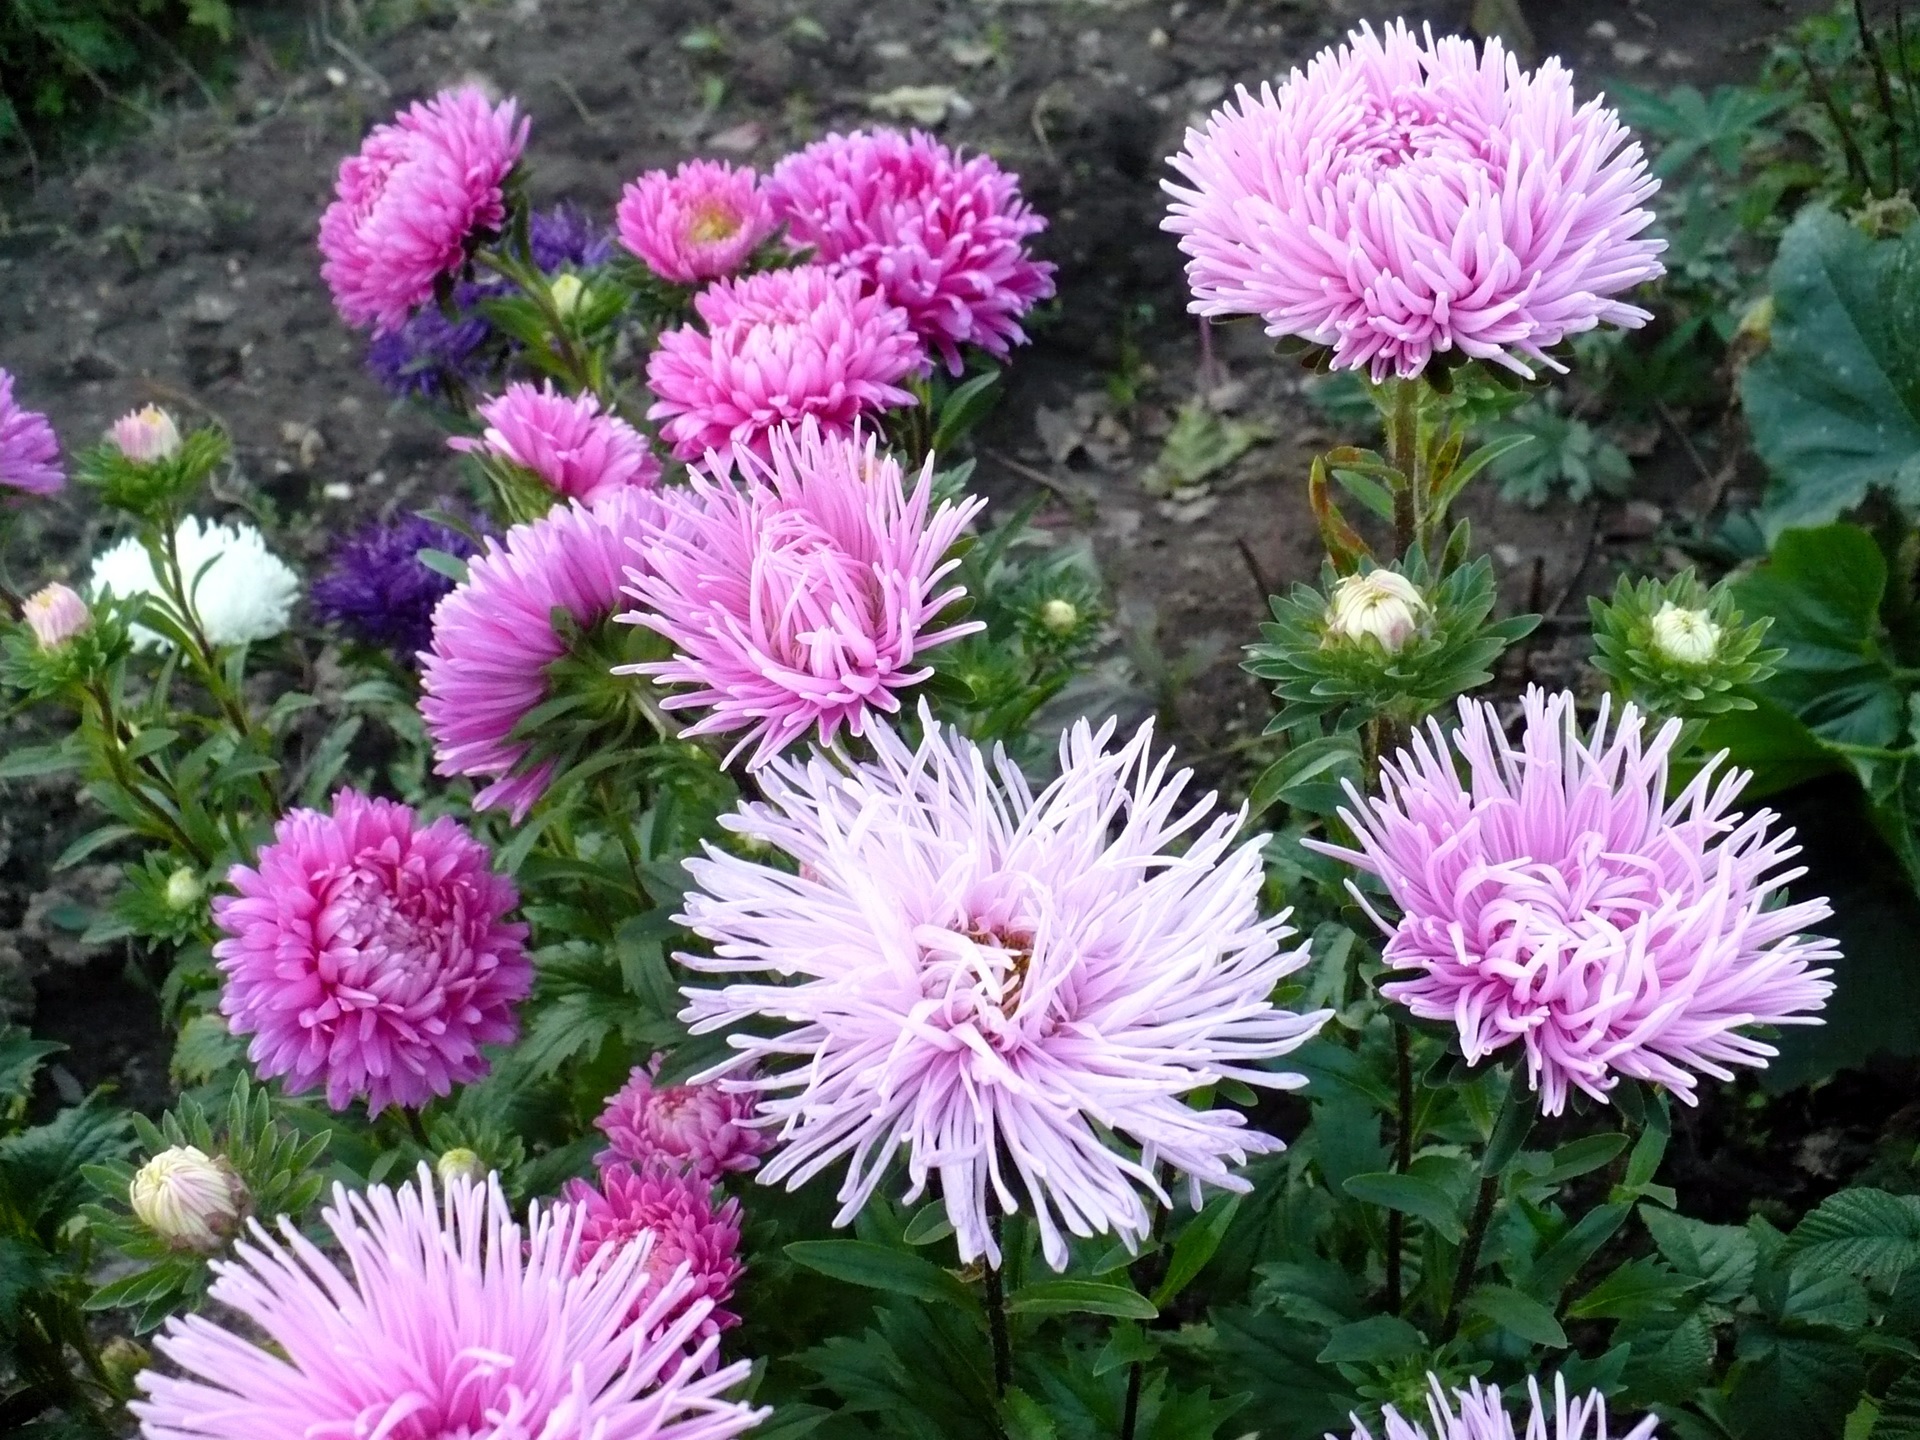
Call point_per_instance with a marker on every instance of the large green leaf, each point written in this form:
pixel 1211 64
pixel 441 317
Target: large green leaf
pixel 1867 1233
pixel 860 1262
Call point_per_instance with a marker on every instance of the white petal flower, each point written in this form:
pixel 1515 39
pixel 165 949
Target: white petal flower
pixel 241 590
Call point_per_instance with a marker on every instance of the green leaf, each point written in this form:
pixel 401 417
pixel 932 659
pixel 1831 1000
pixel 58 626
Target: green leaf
pixel 1636 1289
pixel 31 760
pixel 1770 741
pixel 1198 1240
pixel 20 1057
pixel 1417 1197
pixel 1578 1157
pixel 443 563
pixel 1373 1340
pixel 929 1224
pixel 91 841
pixel 1308 777
pixel 1867 1233
pixel 1091 1297
pixel 1025 1418
pixel 876 1267
pixel 1519 1314
pixel 1722 1257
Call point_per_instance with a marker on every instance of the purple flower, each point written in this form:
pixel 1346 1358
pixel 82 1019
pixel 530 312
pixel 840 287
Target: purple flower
pixel 699 1128
pixel 29 453
pixel 567 235
pixel 377 589
pixel 1478 1413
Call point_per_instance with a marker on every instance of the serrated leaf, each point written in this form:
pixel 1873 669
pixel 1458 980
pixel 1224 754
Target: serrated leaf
pixel 1722 1257
pixel 1867 1233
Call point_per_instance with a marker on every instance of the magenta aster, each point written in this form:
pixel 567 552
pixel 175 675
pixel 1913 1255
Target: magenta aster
pixel 1555 898
pixel 568 441
pixel 445 1320
pixel 677 1210
pixel 699 223
pixel 408 204
pixel 1477 1413
pixel 493 637
pixel 29 453
pixel 941 236
pixel 1404 198
pixel 699 1128
pixel 1019 992
pixel 371 953
pixel 801 595
pixel 778 347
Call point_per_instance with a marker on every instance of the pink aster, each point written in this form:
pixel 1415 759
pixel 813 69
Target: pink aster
pixel 1405 197
pixel 568 441
pixel 1477 1413
pixel 1557 899
pixel 941 236
pixel 446 1320
pixel 493 637
pixel 1020 992
pixel 779 346
pixel 699 223
pixel 371 953
pixel 699 1128
pixel 802 595
pixel 408 204
pixel 29 453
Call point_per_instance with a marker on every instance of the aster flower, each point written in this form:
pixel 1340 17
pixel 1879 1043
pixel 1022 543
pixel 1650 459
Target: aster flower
pixel 29 453
pixel 699 223
pixel 803 595
pixel 55 613
pixel 1477 1413
pixel 447 1319
pixel 241 591
pixel 984 978
pixel 566 236
pixel 699 1128
pixel 1556 899
pixel 189 1198
pixel 578 450
pixel 493 637
pixel 941 236
pixel 677 1210
pixel 377 589
pixel 408 204
pixel 371 953
pixel 146 435
pixel 1404 198
pixel 778 346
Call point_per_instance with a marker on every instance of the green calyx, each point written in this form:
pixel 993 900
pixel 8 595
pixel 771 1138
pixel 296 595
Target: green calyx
pixel 1679 648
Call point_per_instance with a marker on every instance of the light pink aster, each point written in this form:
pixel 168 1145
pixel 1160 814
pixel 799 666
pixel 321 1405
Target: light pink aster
pixel 695 1244
pixel 699 223
pixel 1015 993
pixel 568 441
pixel 372 954
pixel 447 1321
pixel 493 636
pixel 1555 898
pixel 778 347
pixel 1477 1413
pixel 942 236
pixel 407 205
pixel 1405 197
pixel 699 1128
pixel 802 595
pixel 29 452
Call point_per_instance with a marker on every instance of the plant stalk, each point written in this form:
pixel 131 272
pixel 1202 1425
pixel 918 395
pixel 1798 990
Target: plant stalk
pixel 1470 1255
pixel 1402 1162
pixel 997 1314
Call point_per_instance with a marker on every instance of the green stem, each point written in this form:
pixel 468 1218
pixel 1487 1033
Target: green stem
pixel 1148 1282
pixel 1470 1255
pixel 997 1314
pixel 578 372
pixel 114 753
pixel 1403 442
pixel 1402 1163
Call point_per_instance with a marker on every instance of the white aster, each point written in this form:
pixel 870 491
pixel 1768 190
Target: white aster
pixel 241 590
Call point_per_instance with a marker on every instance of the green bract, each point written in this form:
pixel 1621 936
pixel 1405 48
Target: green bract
pixel 151 490
pixel 78 661
pixel 1629 647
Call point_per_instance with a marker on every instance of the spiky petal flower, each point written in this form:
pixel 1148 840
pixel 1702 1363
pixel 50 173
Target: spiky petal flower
pixel 378 590
pixel 778 347
pixel 240 590
pixel 699 223
pixel 702 1129
pixel 1555 898
pixel 568 441
pixel 408 203
pixel 803 594
pixel 371 953
pixel 1477 1413
pixel 983 977
pixel 942 236
pixel 447 1319
pixel 688 1230
pixel 29 451
pixel 493 637
pixel 1405 197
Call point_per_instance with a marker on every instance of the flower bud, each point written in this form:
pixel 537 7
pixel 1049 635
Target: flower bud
pixel 459 1163
pixel 567 292
pixel 123 1358
pixel 183 889
pixel 188 1198
pixel 1689 637
pixel 144 436
pixel 1058 617
pixel 55 615
pixel 1381 605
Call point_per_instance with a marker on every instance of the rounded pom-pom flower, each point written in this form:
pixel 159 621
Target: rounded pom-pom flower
pixel 407 204
pixel 1554 897
pixel 779 346
pixel 699 223
pixel 801 595
pixel 371 954
pixel 702 1129
pixel 378 590
pixel 442 1318
pixel 29 451
pixel 941 236
pixel 677 1209
pixel 241 591
pixel 1405 197
pixel 578 450
pixel 1019 991
pixel 493 637
pixel 1478 1413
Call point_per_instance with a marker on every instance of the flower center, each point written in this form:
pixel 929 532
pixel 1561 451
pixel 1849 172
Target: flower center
pixel 821 605
pixel 976 976
pixel 712 222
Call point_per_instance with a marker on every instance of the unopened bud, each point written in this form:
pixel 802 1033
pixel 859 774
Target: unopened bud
pixel 567 292
pixel 459 1163
pixel 1381 605
pixel 55 615
pixel 188 1198
pixel 1058 617
pixel 123 1359
pixel 1689 637
pixel 183 889
pixel 147 435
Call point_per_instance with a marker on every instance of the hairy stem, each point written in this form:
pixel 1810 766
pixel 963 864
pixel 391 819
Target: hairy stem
pixel 1470 1255
pixel 1402 1162
pixel 1403 452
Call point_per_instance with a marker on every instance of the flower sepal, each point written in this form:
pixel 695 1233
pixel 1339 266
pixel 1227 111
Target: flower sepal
pixel 151 481
pixel 1676 647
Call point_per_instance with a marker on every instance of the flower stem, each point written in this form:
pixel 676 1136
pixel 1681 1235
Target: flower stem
pixel 1470 1255
pixel 1403 446
pixel 997 1315
pixel 114 753
pixel 1402 1162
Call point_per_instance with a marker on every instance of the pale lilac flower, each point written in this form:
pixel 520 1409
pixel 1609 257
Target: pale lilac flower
pixel 55 613
pixel 941 236
pixel 442 1319
pixel 700 1128
pixel 29 451
pixel 580 451
pixel 804 594
pixel 778 347
pixel 1014 994
pixel 146 435
pixel 1555 898
pixel 408 204
pixel 372 954
pixel 693 1240
pixel 1477 1413
pixel 1404 198
pixel 699 223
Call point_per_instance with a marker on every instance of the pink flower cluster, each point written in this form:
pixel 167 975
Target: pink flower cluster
pixel 698 1128
pixel 698 224
pixel 29 453
pixel 577 449
pixel 1479 1413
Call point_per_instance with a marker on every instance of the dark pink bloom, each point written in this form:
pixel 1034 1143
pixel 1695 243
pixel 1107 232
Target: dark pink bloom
pixel 578 449
pixel 699 1128
pixel 699 223
pixel 372 954
pixel 29 453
